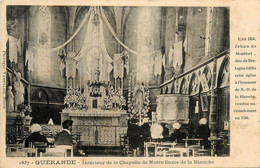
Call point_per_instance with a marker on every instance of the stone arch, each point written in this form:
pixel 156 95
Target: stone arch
pixel 172 88
pixel 161 91
pixel 223 94
pixel 57 97
pixel 224 73
pixel 166 90
pixel 194 84
pixel 208 77
pixel 183 87
pixel 40 95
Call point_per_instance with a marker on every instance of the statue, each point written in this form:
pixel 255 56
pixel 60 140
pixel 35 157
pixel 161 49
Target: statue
pixel 139 96
pixel 19 91
pixel 9 100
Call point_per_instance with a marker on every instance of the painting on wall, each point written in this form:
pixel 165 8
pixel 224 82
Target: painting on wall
pixel 204 102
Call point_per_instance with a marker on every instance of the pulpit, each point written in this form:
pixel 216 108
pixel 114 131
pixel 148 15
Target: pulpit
pixel 97 127
pixel 172 108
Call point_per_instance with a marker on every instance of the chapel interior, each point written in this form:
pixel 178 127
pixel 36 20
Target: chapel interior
pixel 135 81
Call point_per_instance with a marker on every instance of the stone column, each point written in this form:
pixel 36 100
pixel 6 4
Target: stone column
pixel 72 17
pixel 118 17
pixel 217 36
pixel 213 102
pixel 71 45
pixel 217 32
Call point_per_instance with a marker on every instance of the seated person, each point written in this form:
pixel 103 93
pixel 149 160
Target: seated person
pixel 133 132
pixel 35 136
pixel 193 125
pixel 165 133
pixel 178 135
pixel 64 137
pixel 145 133
pixel 156 132
pixel 203 132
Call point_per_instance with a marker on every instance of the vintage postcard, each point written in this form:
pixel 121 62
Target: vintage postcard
pixel 129 83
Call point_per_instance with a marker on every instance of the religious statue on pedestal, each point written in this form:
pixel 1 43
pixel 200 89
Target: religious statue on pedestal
pixel 139 96
pixel 9 100
pixel 19 91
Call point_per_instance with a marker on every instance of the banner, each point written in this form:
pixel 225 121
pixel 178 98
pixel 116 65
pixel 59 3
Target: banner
pixel 70 68
pixel 177 57
pixel 118 66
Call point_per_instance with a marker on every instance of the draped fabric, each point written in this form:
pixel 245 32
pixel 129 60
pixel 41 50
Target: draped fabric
pixel 30 58
pixel 71 38
pixel 170 55
pixel 104 18
pixel 118 66
pixel 163 59
pixel 185 45
pixel 109 69
pixel 62 66
pixel 19 46
pixel 110 29
pixel 157 64
pixel 93 53
pixel 70 68
pixel 177 58
pixel 13 46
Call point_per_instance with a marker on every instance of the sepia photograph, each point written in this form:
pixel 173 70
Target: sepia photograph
pixel 117 81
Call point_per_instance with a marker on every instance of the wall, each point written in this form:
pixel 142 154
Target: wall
pixel 195 32
pixel 43 110
pixel 134 27
pixel 170 30
pixel 46 103
pixel 220 31
pixel 58 37
pixel 20 32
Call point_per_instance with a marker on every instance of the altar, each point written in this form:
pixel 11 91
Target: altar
pixel 97 127
pixel 93 101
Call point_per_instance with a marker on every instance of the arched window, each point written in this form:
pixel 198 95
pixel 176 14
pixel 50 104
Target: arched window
pixel 57 97
pixel 40 95
pixel 224 75
pixel 206 82
pixel 194 84
pixel 183 88
pixel 44 41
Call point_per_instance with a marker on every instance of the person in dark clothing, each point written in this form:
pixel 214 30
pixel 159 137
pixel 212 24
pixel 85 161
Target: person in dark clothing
pixel 203 132
pixel 193 125
pixel 165 132
pixel 145 134
pixel 64 137
pixel 35 136
pixel 178 135
pixel 133 132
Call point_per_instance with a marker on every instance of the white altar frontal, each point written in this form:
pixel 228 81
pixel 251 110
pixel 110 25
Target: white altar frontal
pixel 97 127
pixel 96 113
